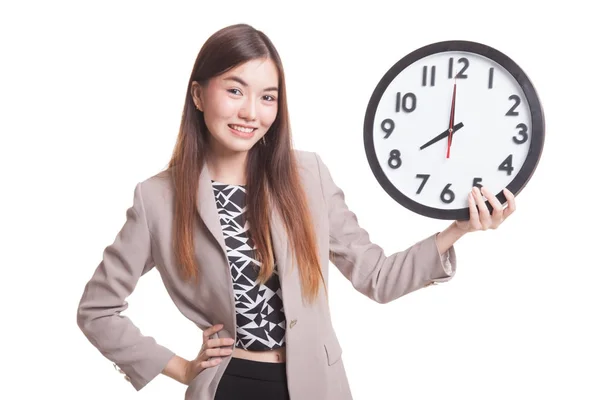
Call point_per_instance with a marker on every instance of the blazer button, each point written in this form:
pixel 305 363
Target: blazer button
pixel 118 369
pixel 293 323
pixel 128 379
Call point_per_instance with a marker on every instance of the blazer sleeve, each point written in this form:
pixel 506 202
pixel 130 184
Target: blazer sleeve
pixel 129 257
pixel 382 278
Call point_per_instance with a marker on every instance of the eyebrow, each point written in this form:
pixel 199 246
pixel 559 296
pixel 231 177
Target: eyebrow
pixel 243 83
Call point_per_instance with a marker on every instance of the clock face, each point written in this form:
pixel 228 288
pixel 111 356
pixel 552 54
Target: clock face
pixel 495 115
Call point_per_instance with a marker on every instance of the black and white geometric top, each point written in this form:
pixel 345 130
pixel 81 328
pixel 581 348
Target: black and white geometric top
pixel 259 312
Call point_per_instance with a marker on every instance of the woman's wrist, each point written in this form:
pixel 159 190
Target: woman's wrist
pixel 177 368
pixel 446 239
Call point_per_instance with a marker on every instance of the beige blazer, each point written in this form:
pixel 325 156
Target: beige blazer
pixel 314 357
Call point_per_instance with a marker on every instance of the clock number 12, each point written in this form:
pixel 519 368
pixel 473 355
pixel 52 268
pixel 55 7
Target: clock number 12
pixel 461 74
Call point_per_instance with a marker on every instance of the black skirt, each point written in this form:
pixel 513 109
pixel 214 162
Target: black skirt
pixel 253 380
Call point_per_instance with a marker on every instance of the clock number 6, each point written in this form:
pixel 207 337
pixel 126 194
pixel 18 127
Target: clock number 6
pixel 394 161
pixel 447 195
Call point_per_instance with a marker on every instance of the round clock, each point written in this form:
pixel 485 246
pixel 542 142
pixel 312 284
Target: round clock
pixel 449 116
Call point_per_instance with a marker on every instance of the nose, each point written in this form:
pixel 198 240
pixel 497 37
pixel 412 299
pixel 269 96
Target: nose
pixel 248 109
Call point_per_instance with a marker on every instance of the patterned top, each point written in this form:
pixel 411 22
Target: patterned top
pixel 259 311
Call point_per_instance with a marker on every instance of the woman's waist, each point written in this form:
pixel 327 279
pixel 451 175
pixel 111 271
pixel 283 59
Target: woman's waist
pixel 273 356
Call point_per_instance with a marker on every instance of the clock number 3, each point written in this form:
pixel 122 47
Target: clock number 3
pixel 523 132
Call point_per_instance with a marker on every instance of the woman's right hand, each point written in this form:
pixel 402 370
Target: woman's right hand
pixel 211 348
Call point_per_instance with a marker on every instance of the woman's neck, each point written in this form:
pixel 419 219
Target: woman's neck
pixel 229 169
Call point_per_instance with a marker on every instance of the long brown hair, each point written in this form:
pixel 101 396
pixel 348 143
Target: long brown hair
pixel 271 170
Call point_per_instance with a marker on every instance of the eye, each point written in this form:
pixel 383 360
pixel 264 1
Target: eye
pixel 269 98
pixel 234 91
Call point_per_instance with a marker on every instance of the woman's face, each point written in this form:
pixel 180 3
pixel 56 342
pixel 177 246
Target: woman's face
pixel 239 106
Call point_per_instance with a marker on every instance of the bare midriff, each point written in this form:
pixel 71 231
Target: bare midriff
pixel 274 356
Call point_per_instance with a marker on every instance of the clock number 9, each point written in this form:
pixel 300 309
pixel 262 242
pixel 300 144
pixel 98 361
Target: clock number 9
pixel 447 195
pixel 394 161
pixel 387 125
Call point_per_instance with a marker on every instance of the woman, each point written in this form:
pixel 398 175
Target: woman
pixel 241 228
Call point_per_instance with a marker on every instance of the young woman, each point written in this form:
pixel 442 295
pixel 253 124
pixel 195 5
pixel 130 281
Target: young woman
pixel 242 228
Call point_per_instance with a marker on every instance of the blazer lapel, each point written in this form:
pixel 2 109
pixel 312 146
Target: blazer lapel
pixel 280 242
pixel 207 209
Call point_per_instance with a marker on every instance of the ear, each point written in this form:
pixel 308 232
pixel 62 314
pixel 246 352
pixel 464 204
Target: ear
pixel 196 92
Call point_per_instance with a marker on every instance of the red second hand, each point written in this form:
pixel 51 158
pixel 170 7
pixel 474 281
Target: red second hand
pixel 451 120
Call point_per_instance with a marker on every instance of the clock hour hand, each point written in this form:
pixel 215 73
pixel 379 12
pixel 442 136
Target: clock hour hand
pixel 442 135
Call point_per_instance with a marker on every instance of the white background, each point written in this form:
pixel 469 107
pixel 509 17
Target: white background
pixel 91 95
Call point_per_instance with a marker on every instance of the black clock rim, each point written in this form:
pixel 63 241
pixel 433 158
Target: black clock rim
pixel 537 122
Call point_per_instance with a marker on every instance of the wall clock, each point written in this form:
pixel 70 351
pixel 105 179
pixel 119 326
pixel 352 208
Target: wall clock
pixel 449 116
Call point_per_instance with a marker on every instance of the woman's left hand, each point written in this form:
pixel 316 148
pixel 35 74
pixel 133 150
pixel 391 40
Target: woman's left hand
pixel 481 220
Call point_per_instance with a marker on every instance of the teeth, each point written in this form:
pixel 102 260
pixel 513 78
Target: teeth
pixel 242 129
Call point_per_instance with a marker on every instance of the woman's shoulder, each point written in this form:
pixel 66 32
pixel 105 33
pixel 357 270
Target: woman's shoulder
pixel 157 187
pixel 306 159
pixel 159 181
pixel 310 169
pixel 160 185
pixel 303 154
pixel 311 163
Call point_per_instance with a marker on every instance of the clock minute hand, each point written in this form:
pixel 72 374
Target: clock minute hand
pixel 442 135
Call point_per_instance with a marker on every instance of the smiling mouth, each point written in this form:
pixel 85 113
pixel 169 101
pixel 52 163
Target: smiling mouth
pixel 242 129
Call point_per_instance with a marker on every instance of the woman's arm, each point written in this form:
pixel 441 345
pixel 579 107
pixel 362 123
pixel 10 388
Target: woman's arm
pixel 446 239
pixel 382 278
pixel 99 317
pixel 176 368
